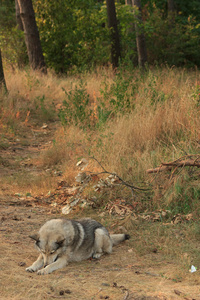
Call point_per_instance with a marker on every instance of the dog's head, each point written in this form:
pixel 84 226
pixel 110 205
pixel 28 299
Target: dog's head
pixel 50 247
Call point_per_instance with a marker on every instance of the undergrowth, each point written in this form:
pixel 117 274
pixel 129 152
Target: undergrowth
pixel 129 122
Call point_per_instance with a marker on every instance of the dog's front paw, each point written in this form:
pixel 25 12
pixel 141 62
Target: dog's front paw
pixel 30 269
pixel 96 255
pixel 43 271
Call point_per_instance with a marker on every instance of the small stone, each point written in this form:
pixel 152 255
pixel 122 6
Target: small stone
pixel 105 284
pixel 61 293
pixel 21 264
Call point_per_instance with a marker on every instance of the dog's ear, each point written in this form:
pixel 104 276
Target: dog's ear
pixel 60 241
pixel 35 237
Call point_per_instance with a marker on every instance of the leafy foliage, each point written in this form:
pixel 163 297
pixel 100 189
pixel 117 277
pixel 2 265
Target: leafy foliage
pixel 75 37
pixel 120 92
pixel 75 108
pixel 11 39
pixel 184 195
pixel 79 108
pixel 72 33
pixel 177 44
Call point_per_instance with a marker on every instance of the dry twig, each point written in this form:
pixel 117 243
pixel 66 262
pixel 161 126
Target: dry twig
pixel 132 187
pixel 185 161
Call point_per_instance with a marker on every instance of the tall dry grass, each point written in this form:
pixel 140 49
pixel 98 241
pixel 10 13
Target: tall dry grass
pixel 163 129
pixel 162 125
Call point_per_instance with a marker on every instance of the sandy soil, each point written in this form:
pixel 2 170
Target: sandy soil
pixel 121 275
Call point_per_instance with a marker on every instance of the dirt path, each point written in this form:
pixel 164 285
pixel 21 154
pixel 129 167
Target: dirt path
pixel 121 275
pixel 18 151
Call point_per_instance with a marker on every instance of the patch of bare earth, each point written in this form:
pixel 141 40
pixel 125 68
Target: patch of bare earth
pixel 122 275
pixel 19 156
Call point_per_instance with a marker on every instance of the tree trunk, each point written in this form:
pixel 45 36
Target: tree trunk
pixel 18 17
pixel 129 2
pixel 171 6
pixel 115 40
pixel 2 78
pixel 140 38
pixel 32 39
pixel 171 12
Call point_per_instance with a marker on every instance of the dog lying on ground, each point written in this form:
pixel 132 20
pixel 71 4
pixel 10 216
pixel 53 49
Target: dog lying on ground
pixel 60 241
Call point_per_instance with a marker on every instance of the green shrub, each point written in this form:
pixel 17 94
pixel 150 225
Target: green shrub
pixel 175 44
pixel 75 109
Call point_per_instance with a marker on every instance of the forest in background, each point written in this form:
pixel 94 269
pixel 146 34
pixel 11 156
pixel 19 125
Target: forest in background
pixel 75 36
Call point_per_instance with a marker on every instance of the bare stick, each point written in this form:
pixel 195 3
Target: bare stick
pixel 132 187
pixel 185 161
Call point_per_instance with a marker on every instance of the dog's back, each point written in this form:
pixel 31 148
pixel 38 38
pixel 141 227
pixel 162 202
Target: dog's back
pixel 84 241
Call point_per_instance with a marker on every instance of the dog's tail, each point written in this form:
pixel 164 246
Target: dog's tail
pixel 118 238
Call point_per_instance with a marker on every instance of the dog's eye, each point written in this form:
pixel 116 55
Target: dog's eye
pixel 60 243
pixel 52 251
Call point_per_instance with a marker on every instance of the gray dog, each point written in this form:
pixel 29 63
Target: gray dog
pixel 60 241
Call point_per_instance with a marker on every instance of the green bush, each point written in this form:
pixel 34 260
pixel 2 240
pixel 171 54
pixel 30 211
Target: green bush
pixel 184 194
pixel 75 109
pixel 172 43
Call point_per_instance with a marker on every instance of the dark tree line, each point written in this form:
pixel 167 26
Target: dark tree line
pixel 25 18
pixel 84 40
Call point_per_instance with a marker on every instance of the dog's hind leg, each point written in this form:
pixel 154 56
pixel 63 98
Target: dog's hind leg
pixel 103 243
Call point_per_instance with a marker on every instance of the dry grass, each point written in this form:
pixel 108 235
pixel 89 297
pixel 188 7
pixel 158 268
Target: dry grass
pixel 163 125
pixel 31 84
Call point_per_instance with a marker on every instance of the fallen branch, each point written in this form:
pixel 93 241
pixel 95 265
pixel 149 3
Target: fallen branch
pixel 185 161
pixel 132 187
